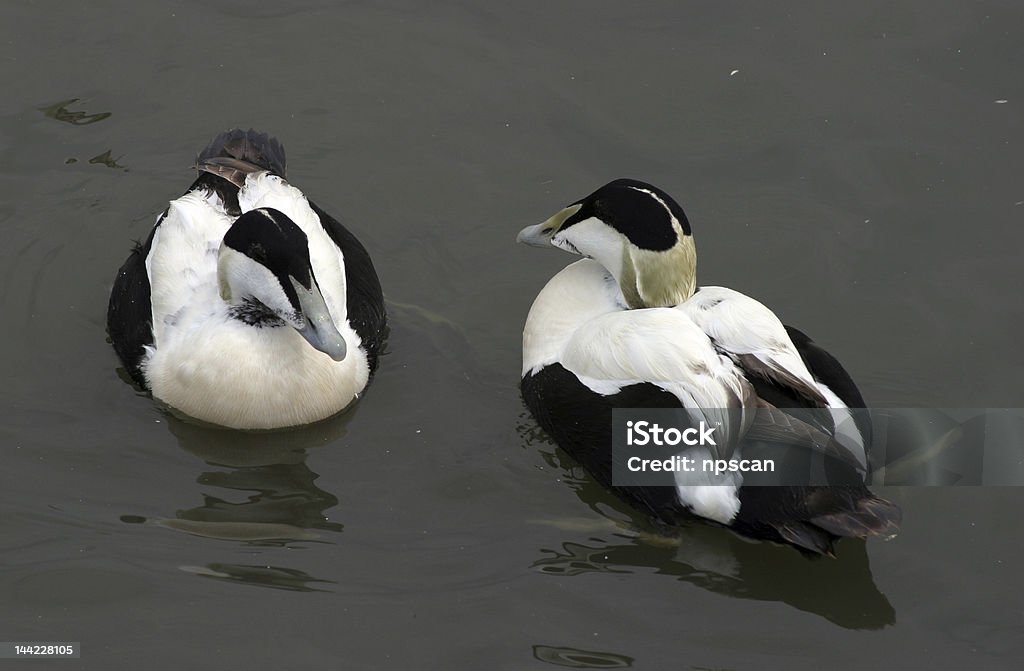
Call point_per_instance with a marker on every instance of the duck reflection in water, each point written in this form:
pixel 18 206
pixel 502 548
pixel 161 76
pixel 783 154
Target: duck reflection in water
pixel 841 590
pixel 260 492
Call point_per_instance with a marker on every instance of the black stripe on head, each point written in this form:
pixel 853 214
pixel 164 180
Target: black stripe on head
pixel 624 205
pixel 272 239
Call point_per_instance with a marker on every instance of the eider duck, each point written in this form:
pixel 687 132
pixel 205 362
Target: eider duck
pixel 248 306
pixel 627 327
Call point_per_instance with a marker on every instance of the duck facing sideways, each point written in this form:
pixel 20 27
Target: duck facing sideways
pixel 248 306
pixel 627 327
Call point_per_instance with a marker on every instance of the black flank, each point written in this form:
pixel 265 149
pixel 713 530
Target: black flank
pixel 130 310
pixel 580 422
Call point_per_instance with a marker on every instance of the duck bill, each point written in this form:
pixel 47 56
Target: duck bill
pixel 319 329
pixel 539 235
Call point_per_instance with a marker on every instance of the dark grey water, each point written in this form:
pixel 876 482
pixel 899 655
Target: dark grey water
pixel 861 172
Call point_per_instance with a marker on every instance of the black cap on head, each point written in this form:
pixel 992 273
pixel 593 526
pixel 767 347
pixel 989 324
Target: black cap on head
pixel 628 206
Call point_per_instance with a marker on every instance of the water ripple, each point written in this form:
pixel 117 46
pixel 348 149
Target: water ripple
pixel 577 658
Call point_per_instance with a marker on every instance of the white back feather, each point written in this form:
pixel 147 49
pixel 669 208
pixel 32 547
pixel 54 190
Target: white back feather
pixel 182 263
pixel 743 325
pixel 578 293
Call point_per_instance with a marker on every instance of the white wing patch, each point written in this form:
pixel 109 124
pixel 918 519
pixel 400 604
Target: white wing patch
pixel 664 347
pixel 657 345
pixel 182 263
pixel 741 325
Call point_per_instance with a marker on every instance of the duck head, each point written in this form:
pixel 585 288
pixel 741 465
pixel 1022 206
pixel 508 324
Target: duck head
pixel 637 232
pixel 266 279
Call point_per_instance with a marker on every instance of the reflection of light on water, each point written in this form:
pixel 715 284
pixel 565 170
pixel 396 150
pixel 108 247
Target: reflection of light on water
pixel 576 559
pixel 577 658
pixel 250 532
pixel 262 576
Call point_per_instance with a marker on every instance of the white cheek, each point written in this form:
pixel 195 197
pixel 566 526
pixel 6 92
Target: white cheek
pixel 562 243
pixel 596 239
pixel 247 278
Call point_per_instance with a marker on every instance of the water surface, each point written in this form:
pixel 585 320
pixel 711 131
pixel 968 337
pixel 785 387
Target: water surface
pixel 858 168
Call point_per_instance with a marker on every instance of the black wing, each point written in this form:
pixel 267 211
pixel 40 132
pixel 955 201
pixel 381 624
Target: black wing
pixel 827 370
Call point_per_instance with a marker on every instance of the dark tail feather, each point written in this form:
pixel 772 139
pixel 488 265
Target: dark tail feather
pixel 872 517
pixel 776 426
pixel 248 146
pixel 807 538
pixel 814 518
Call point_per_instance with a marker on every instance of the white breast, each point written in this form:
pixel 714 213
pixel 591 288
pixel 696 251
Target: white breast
pixel 182 262
pixel 578 293
pixel 224 372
